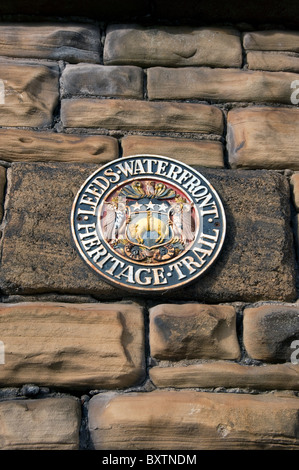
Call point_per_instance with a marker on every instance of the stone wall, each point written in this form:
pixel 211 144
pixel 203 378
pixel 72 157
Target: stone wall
pixel 85 365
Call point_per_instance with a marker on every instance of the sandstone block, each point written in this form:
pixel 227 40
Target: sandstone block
pixel 193 331
pixel 185 420
pixel 272 40
pixel 45 233
pixel 269 332
pixel 39 256
pixel 142 116
pixel 47 424
pixel 219 84
pixel 172 46
pixel 100 80
pixel 273 61
pixel 263 137
pixel 228 375
pixel 27 145
pixel 295 189
pixel 192 152
pixel 245 264
pixel 72 346
pixel 69 42
pixel 30 93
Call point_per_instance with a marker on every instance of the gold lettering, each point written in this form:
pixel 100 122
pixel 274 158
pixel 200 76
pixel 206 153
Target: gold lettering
pixel 159 276
pixel 147 279
pixel 86 227
pixel 139 167
pixel 174 170
pixel 128 272
pixel 161 167
pixel 116 262
pixel 188 262
pixel 214 210
pixel 177 269
pixel 110 173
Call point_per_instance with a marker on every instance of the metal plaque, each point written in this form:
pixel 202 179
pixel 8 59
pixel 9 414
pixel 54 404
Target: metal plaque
pixel 148 223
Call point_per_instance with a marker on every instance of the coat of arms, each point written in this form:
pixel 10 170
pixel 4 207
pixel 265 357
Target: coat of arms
pixel 148 223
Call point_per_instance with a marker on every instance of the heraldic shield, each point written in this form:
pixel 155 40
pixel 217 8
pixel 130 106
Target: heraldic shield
pixel 148 221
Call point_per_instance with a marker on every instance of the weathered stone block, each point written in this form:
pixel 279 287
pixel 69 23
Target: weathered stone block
pixel 273 61
pixel 172 46
pixel 47 424
pixel 193 420
pixel 30 93
pixel 100 80
pixel 69 42
pixel 229 375
pixel 193 331
pixel 272 40
pixel 263 137
pixel 219 84
pixel 27 145
pixel 39 256
pixel 72 346
pixel 130 115
pixel 192 152
pixel 269 332
pixel 295 190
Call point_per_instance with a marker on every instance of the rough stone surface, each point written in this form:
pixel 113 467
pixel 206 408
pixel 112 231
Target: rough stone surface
pixel 100 80
pixel 295 189
pixel 39 256
pixel 30 93
pixel 251 260
pixel 269 332
pixel 229 375
pixel 38 229
pixel 27 145
pixel 130 115
pixel 219 84
pixel 164 420
pixel 272 40
pixel 172 46
pixel 264 137
pixel 69 42
pixel 193 331
pixel 273 61
pixel 206 153
pixel 48 424
pixel 72 346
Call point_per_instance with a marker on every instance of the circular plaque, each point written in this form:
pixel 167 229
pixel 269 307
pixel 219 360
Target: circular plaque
pixel 148 223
